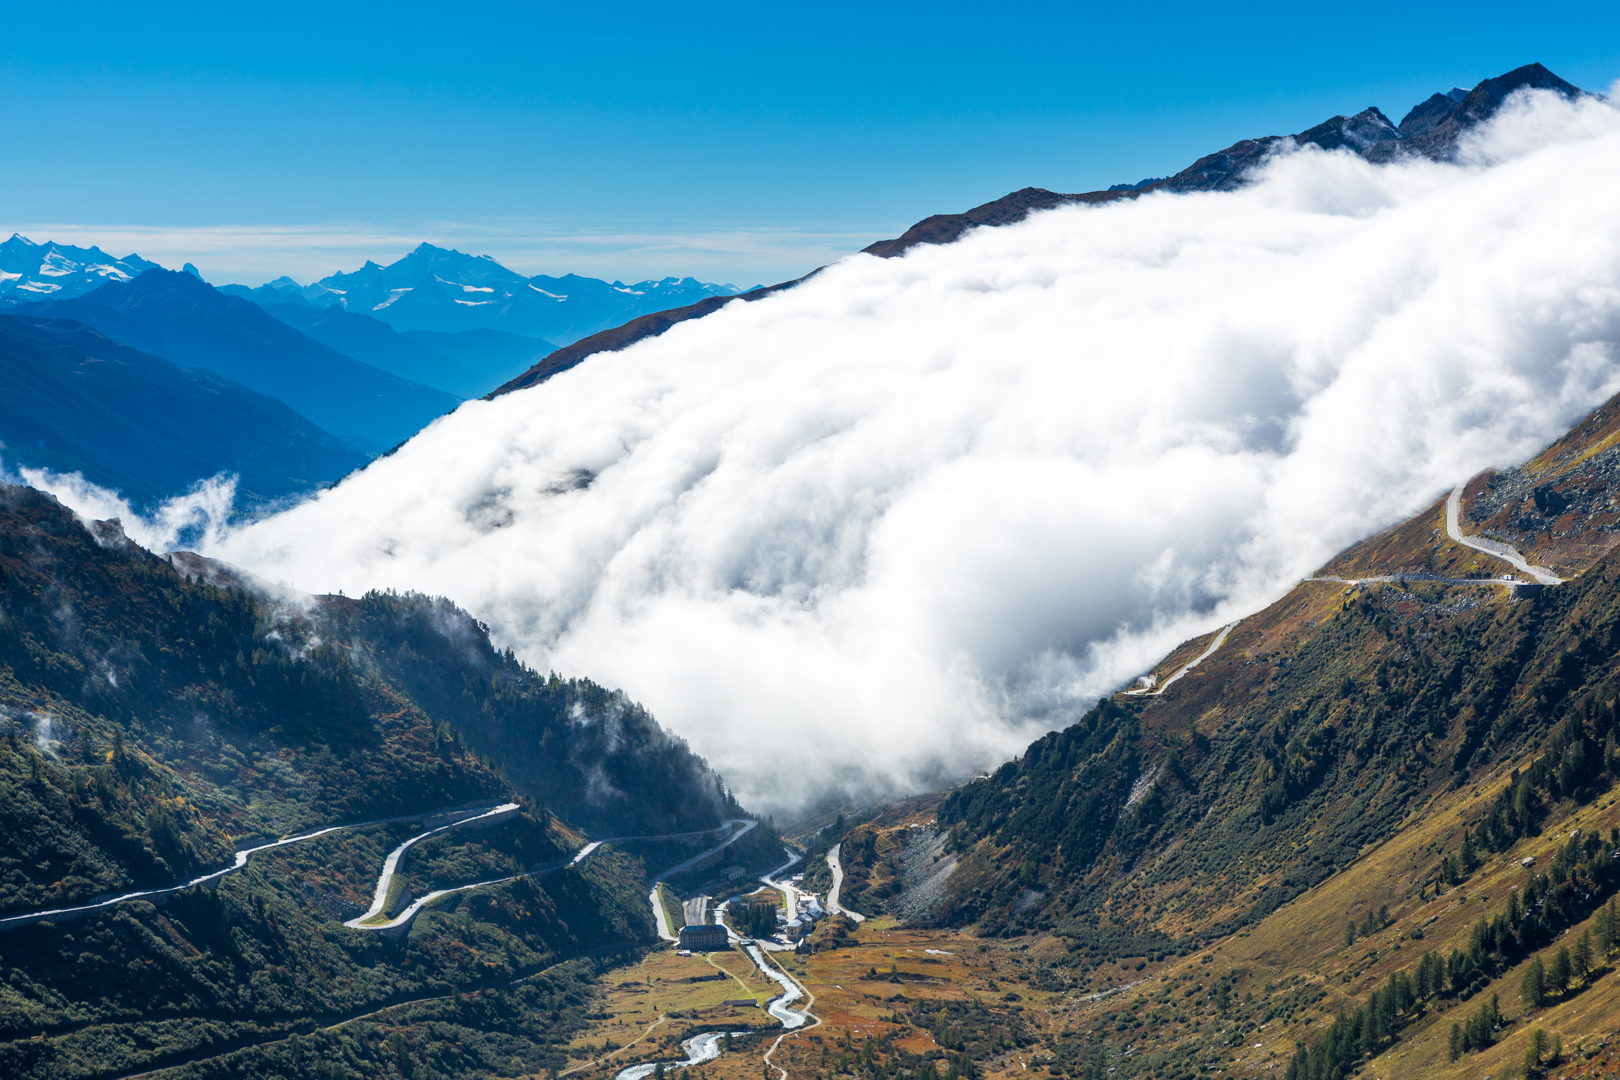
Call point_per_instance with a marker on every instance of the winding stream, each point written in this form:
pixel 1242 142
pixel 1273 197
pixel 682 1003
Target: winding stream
pixel 778 1006
pixel 699 1048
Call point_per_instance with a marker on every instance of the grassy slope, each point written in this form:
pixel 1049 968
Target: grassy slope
pixel 1392 717
pixel 1324 722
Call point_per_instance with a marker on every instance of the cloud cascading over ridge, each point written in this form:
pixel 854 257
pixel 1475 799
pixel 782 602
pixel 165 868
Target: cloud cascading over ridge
pixel 892 523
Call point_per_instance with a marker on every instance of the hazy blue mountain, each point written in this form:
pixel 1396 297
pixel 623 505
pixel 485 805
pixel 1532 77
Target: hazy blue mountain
pixel 490 357
pixel 73 400
pixel 184 319
pixel 370 340
pixel 435 289
pixel 284 290
pixel 466 363
pixel 30 271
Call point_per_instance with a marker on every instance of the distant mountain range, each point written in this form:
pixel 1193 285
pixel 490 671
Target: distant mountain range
pixel 72 400
pixel 30 271
pixel 308 380
pixel 433 289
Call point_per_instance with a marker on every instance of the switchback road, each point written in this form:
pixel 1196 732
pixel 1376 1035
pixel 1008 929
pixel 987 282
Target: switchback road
pixel 838 883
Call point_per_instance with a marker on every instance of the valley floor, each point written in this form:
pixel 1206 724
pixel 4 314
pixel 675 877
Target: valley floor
pixel 893 1000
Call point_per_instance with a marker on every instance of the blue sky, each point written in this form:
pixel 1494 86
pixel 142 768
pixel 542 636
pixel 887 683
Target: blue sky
pixel 743 143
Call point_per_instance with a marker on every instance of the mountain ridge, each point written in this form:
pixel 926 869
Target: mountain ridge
pixel 1435 126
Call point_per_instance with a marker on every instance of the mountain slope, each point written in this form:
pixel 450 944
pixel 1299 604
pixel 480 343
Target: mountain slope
pixel 1375 828
pixel 72 400
pixel 150 723
pixel 370 341
pixel 488 357
pixel 183 319
pixel 622 337
pixel 468 363
pixel 1316 728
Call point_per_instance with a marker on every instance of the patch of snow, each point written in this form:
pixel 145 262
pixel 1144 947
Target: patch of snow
pixel 553 295
pixel 39 286
pixel 107 271
pixel 396 294
pixel 628 290
pixel 476 288
pixel 8 277
pixel 474 303
pixel 58 265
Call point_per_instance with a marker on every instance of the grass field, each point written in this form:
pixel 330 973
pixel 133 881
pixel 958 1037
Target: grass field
pixel 674 910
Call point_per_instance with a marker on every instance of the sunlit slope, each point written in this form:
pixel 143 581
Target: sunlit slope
pixel 1319 726
pixel 1384 802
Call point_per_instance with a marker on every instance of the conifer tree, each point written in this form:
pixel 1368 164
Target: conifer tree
pixel 1533 989
pixel 1558 973
pixel 1533 1051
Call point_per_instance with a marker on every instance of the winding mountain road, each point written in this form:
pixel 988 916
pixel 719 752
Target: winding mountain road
pixel 1220 638
pixel 385 880
pixel 1505 552
pixel 1507 581
pixel 242 857
pixel 659 915
pixel 838 883
pixel 482 815
pixel 790 895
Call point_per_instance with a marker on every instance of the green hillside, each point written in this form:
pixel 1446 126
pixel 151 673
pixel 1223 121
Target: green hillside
pixel 151 724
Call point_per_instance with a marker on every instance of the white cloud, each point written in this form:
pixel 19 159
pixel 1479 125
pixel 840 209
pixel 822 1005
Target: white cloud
pixel 196 519
pixel 901 518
